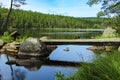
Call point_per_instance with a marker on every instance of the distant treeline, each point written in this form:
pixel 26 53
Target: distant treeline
pixel 29 19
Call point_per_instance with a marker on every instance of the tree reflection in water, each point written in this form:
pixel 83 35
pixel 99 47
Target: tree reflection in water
pixel 15 74
pixel 0 77
pixel 19 74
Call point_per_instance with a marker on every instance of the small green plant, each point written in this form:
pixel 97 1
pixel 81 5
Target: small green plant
pixel 6 37
pixel 21 39
pixel 59 76
pixel 111 36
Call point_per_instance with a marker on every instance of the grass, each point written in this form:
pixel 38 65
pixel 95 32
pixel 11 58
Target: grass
pixel 110 36
pixel 22 38
pixel 6 37
pixel 104 68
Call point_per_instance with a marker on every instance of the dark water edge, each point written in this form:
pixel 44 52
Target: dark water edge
pixel 76 53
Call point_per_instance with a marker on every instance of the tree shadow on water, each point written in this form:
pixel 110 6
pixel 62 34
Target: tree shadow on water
pixel 19 74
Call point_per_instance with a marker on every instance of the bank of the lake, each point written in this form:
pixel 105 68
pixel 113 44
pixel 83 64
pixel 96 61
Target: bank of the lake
pixel 105 67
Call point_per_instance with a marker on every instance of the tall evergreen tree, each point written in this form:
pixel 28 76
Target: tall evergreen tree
pixel 15 3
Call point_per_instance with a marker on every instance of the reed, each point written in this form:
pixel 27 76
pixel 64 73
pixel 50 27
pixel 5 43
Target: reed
pixel 104 68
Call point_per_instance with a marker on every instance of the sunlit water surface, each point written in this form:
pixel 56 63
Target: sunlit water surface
pixel 69 53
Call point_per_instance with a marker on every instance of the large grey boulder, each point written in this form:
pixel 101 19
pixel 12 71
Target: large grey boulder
pixel 33 47
pixel 1 43
pixel 109 32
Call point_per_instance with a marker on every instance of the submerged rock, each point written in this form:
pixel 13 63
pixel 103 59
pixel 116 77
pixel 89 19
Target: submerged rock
pixel 33 47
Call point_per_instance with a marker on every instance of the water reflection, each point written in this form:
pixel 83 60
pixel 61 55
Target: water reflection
pixel 76 53
pixel 59 60
pixel 35 64
pixel 19 74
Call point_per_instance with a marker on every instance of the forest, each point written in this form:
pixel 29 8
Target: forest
pixel 26 20
pixel 21 46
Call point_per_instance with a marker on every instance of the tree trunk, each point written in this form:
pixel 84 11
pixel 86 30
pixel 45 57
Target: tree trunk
pixel 6 20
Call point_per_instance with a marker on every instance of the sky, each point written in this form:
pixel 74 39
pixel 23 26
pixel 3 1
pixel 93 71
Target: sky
pixel 74 8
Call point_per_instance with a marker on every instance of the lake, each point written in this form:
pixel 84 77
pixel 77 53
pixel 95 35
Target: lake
pixel 63 33
pixel 63 59
pixel 75 54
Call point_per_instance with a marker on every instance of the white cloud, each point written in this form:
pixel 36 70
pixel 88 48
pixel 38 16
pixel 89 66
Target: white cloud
pixel 5 3
pixel 61 7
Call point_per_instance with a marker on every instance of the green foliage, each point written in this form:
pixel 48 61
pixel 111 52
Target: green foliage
pixel 116 23
pixel 59 76
pixel 6 37
pixel 110 36
pixel 105 68
pixel 28 21
pixel 108 6
pixel 21 39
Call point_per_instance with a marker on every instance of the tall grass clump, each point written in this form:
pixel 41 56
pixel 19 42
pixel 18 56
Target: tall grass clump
pixel 104 68
pixel 6 37
pixel 21 38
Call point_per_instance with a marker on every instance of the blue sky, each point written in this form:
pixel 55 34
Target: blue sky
pixel 75 8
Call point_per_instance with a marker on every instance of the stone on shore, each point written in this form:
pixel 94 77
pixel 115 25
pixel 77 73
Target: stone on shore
pixel 119 48
pixel 109 32
pixel 1 43
pixel 44 38
pixel 33 47
pixel 11 47
pixel 96 48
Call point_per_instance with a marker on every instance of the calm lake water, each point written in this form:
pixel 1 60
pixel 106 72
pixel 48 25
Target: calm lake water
pixel 80 33
pixel 76 53
pixel 61 60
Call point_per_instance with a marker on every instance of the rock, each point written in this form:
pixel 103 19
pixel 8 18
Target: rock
pixel 51 47
pixel 2 50
pixel 11 47
pixel 1 43
pixel 100 48
pixel 66 49
pixel 119 48
pixel 108 32
pixel 44 38
pixel 96 48
pixel 33 47
pixel 109 48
